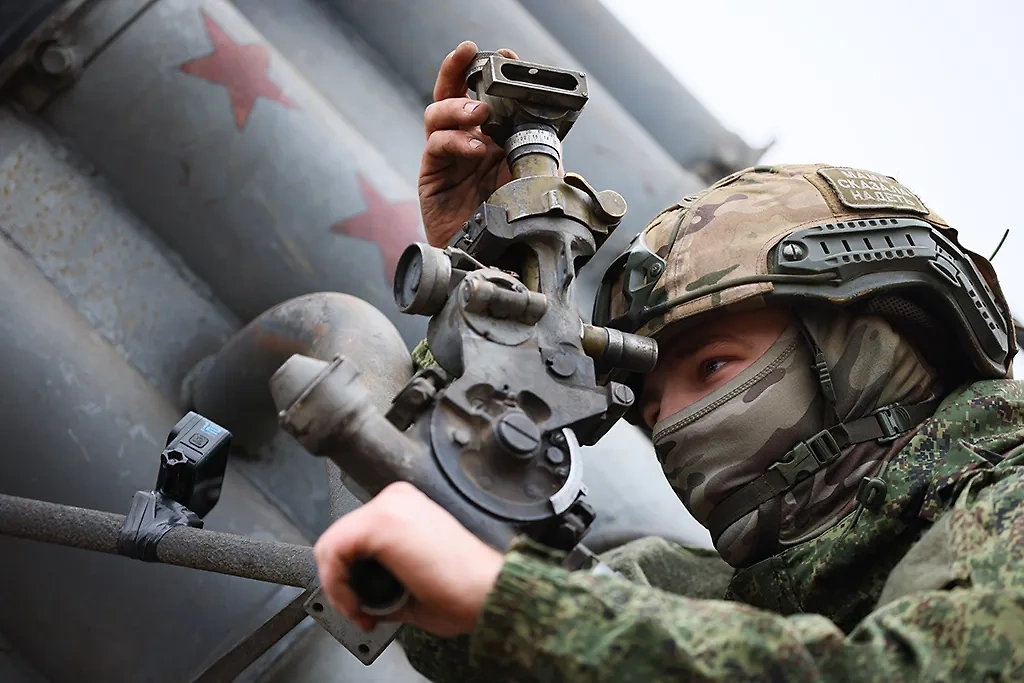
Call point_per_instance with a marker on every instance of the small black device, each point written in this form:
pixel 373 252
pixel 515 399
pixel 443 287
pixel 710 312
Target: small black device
pixel 188 485
pixel 192 465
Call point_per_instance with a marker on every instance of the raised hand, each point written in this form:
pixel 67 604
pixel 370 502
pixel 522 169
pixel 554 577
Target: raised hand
pixel 461 166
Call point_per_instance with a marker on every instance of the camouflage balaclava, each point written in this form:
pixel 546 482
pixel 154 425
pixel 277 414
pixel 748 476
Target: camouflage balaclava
pixel 711 254
pixel 733 435
pixel 728 440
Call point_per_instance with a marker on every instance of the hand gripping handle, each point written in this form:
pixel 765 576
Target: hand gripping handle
pixel 379 592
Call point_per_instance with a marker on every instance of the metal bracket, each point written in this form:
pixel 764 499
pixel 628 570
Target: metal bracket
pixel 364 646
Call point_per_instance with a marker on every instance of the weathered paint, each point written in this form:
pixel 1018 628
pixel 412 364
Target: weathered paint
pixel 262 197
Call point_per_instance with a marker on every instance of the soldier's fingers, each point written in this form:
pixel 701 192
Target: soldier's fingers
pixel 453 113
pixel 451 144
pixel 451 78
pixel 505 52
pixel 345 541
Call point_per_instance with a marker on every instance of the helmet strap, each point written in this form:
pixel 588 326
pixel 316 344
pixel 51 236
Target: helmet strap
pixel 821 371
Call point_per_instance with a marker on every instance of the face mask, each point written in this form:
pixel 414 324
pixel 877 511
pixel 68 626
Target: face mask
pixel 732 436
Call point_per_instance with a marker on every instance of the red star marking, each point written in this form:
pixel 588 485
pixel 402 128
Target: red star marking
pixel 242 68
pixel 392 227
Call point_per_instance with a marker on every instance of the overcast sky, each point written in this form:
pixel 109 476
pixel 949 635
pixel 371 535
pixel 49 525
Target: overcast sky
pixel 927 91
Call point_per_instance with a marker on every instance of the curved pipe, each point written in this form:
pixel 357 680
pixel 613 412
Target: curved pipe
pixel 232 386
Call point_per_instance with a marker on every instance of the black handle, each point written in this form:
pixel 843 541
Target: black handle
pixel 379 592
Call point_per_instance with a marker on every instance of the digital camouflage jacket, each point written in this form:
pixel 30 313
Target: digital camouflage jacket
pixel 928 584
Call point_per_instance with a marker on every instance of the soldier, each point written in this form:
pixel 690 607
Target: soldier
pixel 853 444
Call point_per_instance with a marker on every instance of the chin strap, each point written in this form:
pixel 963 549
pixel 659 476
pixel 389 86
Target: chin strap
pixel 801 462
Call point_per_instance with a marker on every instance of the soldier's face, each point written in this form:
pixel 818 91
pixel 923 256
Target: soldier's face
pixel 694 364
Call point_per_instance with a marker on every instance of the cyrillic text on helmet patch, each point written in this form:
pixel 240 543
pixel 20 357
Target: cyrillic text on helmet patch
pixel 858 189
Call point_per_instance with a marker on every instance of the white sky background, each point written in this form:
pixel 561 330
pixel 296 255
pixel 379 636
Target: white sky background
pixel 928 91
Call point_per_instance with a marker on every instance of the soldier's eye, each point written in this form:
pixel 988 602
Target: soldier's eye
pixel 710 367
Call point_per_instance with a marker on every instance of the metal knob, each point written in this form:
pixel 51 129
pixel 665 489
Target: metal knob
pixel 609 206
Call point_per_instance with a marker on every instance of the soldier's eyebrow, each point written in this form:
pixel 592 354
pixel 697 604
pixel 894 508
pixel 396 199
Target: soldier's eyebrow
pixel 689 344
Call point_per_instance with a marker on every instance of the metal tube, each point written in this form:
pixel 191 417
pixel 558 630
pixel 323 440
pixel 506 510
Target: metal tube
pixel 212 551
pixel 95 428
pixel 617 349
pixel 232 389
pixel 644 87
pixel 325 407
pixel 232 158
pixel 349 73
pixel 606 145
pixel 102 258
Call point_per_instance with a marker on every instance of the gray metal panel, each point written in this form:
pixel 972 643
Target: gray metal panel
pixel 153 310
pixel 349 74
pixel 103 259
pixel 14 669
pixel 644 87
pixel 318 658
pixel 606 145
pixel 80 427
pixel 267 182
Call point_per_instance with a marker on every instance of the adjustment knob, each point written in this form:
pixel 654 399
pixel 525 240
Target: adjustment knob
pixel 609 206
pixel 517 434
pixel 421 280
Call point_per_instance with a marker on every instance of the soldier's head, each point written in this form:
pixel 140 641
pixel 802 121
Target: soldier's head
pixel 808 317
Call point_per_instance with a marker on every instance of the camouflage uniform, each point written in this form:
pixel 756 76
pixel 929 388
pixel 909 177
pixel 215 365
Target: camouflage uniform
pixel 928 587
pixel 894 557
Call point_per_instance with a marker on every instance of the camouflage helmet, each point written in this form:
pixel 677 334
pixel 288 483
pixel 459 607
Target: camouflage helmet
pixel 814 234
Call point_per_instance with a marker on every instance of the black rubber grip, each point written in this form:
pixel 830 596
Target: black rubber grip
pixel 379 592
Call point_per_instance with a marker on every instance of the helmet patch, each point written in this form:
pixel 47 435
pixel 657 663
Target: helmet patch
pixel 858 189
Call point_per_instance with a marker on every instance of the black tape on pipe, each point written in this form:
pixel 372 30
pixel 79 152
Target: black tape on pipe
pixel 281 563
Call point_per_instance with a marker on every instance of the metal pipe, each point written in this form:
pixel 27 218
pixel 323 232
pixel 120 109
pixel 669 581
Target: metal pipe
pixel 94 429
pixel 212 551
pixel 232 387
pixel 606 145
pixel 102 258
pixel 231 157
pixel 644 87
pixel 349 73
pixel 326 408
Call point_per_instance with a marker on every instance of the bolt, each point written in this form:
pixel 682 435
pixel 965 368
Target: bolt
pixel 622 394
pixel 554 455
pixel 563 472
pixel 656 270
pixel 518 434
pixel 56 59
pixel 793 252
pixel 561 365
pixel 460 436
pixel 558 438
